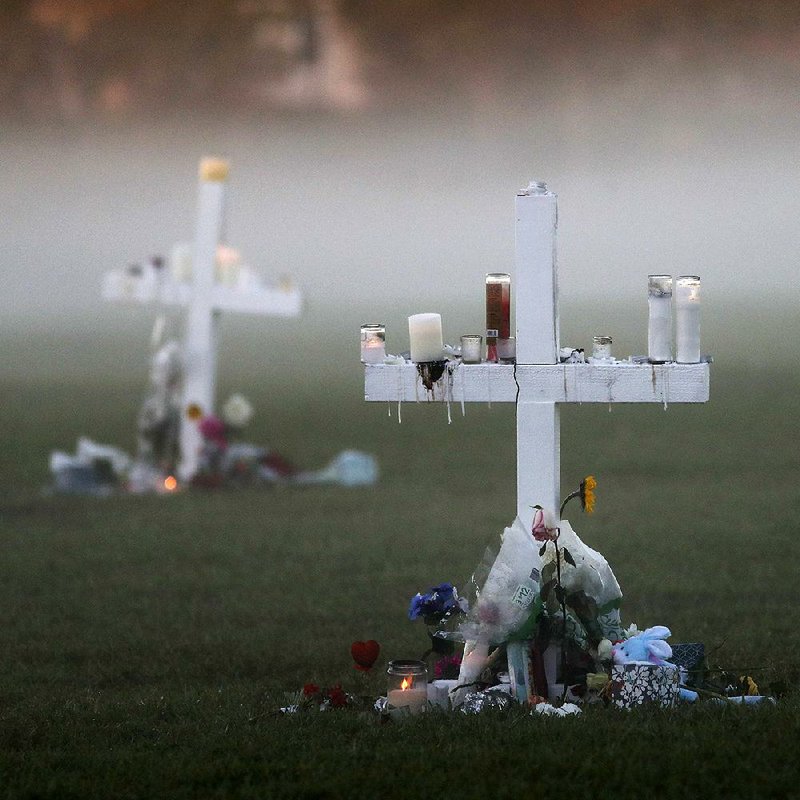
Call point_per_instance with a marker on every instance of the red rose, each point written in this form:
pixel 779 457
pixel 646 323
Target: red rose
pixel 337 697
pixel 310 689
pixel 365 654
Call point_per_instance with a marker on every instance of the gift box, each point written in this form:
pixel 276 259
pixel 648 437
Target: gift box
pixel 641 684
pixel 690 657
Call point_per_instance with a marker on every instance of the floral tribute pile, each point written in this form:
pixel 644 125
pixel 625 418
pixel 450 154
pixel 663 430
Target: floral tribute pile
pixel 225 458
pixel 540 626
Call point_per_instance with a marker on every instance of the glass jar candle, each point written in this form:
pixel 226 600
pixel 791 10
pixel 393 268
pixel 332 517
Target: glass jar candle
pixel 471 344
pixel 498 311
pixel 507 350
pixel 659 324
pixel 687 319
pixel 408 685
pixel 373 343
pixel 601 348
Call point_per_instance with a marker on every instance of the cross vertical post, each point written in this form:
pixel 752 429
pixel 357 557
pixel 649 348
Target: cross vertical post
pixel 538 430
pixel 202 318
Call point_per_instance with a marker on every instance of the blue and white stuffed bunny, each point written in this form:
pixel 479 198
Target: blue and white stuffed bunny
pixel 648 646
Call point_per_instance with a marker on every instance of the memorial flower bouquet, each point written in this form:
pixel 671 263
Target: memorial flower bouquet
pixel 441 609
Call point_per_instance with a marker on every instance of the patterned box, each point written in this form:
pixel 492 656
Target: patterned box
pixel 640 684
pixel 691 658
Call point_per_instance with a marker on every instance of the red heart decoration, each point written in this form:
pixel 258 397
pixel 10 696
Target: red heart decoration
pixel 365 654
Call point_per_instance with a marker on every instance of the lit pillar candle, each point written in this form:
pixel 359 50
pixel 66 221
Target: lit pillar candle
pixel 659 325
pixel 408 685
pixel 687 319
pixel 425 334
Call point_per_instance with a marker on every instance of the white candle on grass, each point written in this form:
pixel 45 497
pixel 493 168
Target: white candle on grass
pixel 414 699
pixel 425 335
pixel 659 326
pixel 687 319
pixel 408 686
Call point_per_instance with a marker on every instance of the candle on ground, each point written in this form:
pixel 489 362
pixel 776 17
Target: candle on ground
pixel 413 698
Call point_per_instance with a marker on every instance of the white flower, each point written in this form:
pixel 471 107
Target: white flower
pixel 631 630
pixel 604 650
pixel 237 411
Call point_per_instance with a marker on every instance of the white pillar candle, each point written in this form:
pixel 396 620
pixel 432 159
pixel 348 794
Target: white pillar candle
pixel 659 326
pixel 415 699
pixel 425 334
pixel 687 319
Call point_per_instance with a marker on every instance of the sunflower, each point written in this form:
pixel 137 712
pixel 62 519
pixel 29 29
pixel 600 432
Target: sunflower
pixel 588 485
pixel 193 411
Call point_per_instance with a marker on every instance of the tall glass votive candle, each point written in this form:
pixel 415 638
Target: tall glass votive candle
pixel 373 343
pixel 601 348
pixel 507 350
pixel 471 344
pixel 425 335
pixel 687 319
pixel 408 685
pixel 659 325
pixel 498 311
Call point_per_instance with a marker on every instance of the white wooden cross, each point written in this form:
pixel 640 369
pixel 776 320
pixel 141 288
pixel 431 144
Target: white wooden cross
pixel 204 298
pixel 538 383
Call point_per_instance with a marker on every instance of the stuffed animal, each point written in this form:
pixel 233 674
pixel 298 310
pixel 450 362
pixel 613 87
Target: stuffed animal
pixel 648 646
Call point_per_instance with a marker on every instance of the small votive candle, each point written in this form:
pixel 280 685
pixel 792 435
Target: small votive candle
pixel 471 344
pixel 687 319
pixel 425 335
pixel 373 343
pixel 408 686
pixel 601 348
pixel 659 325
pixel 507 350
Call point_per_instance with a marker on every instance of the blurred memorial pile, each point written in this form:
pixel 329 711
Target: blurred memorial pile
pixel 225 458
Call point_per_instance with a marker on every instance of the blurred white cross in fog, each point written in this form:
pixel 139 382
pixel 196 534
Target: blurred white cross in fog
pixel 538 383
pixel 209 292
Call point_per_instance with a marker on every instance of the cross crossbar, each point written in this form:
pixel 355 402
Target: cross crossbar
pixel 557 383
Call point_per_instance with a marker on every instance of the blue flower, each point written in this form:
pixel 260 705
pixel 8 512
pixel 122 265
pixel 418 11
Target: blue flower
pixel 437 603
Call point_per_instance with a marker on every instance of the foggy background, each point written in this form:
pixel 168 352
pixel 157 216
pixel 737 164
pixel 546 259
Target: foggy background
pixel 376 149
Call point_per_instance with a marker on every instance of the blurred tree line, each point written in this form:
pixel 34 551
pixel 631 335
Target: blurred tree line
pixel 78 58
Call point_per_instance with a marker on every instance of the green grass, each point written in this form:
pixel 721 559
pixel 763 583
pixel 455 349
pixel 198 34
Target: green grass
pixel 147 642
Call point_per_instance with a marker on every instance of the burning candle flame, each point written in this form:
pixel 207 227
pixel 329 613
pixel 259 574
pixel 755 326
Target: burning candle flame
pixel 170 483
pixel 406 684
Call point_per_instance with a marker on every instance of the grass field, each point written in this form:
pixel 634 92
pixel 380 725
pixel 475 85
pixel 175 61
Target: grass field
pixel 147 642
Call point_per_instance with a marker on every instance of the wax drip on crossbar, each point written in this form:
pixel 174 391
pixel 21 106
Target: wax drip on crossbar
pixel 430 372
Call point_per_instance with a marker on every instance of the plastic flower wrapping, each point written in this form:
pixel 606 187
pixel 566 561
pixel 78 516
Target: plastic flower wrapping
pixel 506 588
pixel 593 595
